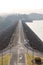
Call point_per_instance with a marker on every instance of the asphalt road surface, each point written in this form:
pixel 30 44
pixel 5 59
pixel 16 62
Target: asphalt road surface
pixel 18 54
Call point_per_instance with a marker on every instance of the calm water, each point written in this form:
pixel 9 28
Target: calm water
pixel 37 27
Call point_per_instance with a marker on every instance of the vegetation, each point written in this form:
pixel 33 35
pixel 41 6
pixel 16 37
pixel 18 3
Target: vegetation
pixel 30 60
pixel 5 60
pixel 6 35
pixel 23 17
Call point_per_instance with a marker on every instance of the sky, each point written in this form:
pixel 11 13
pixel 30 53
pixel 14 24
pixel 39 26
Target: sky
pixel 21 6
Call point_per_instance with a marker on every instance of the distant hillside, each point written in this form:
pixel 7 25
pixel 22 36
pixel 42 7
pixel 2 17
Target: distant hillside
pixel 10 19
pixel 5 23
pixel 32 16
pixel 35 16
pixel 25 17
pixel 1 19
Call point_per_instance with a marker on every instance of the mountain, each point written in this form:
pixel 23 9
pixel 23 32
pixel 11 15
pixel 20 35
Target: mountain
pixel 25 17
pixel 35 16
pixel 7 21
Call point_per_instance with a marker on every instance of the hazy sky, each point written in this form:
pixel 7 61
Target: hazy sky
pixel 16 6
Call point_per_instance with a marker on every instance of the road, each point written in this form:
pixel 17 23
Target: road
pixel 19 50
